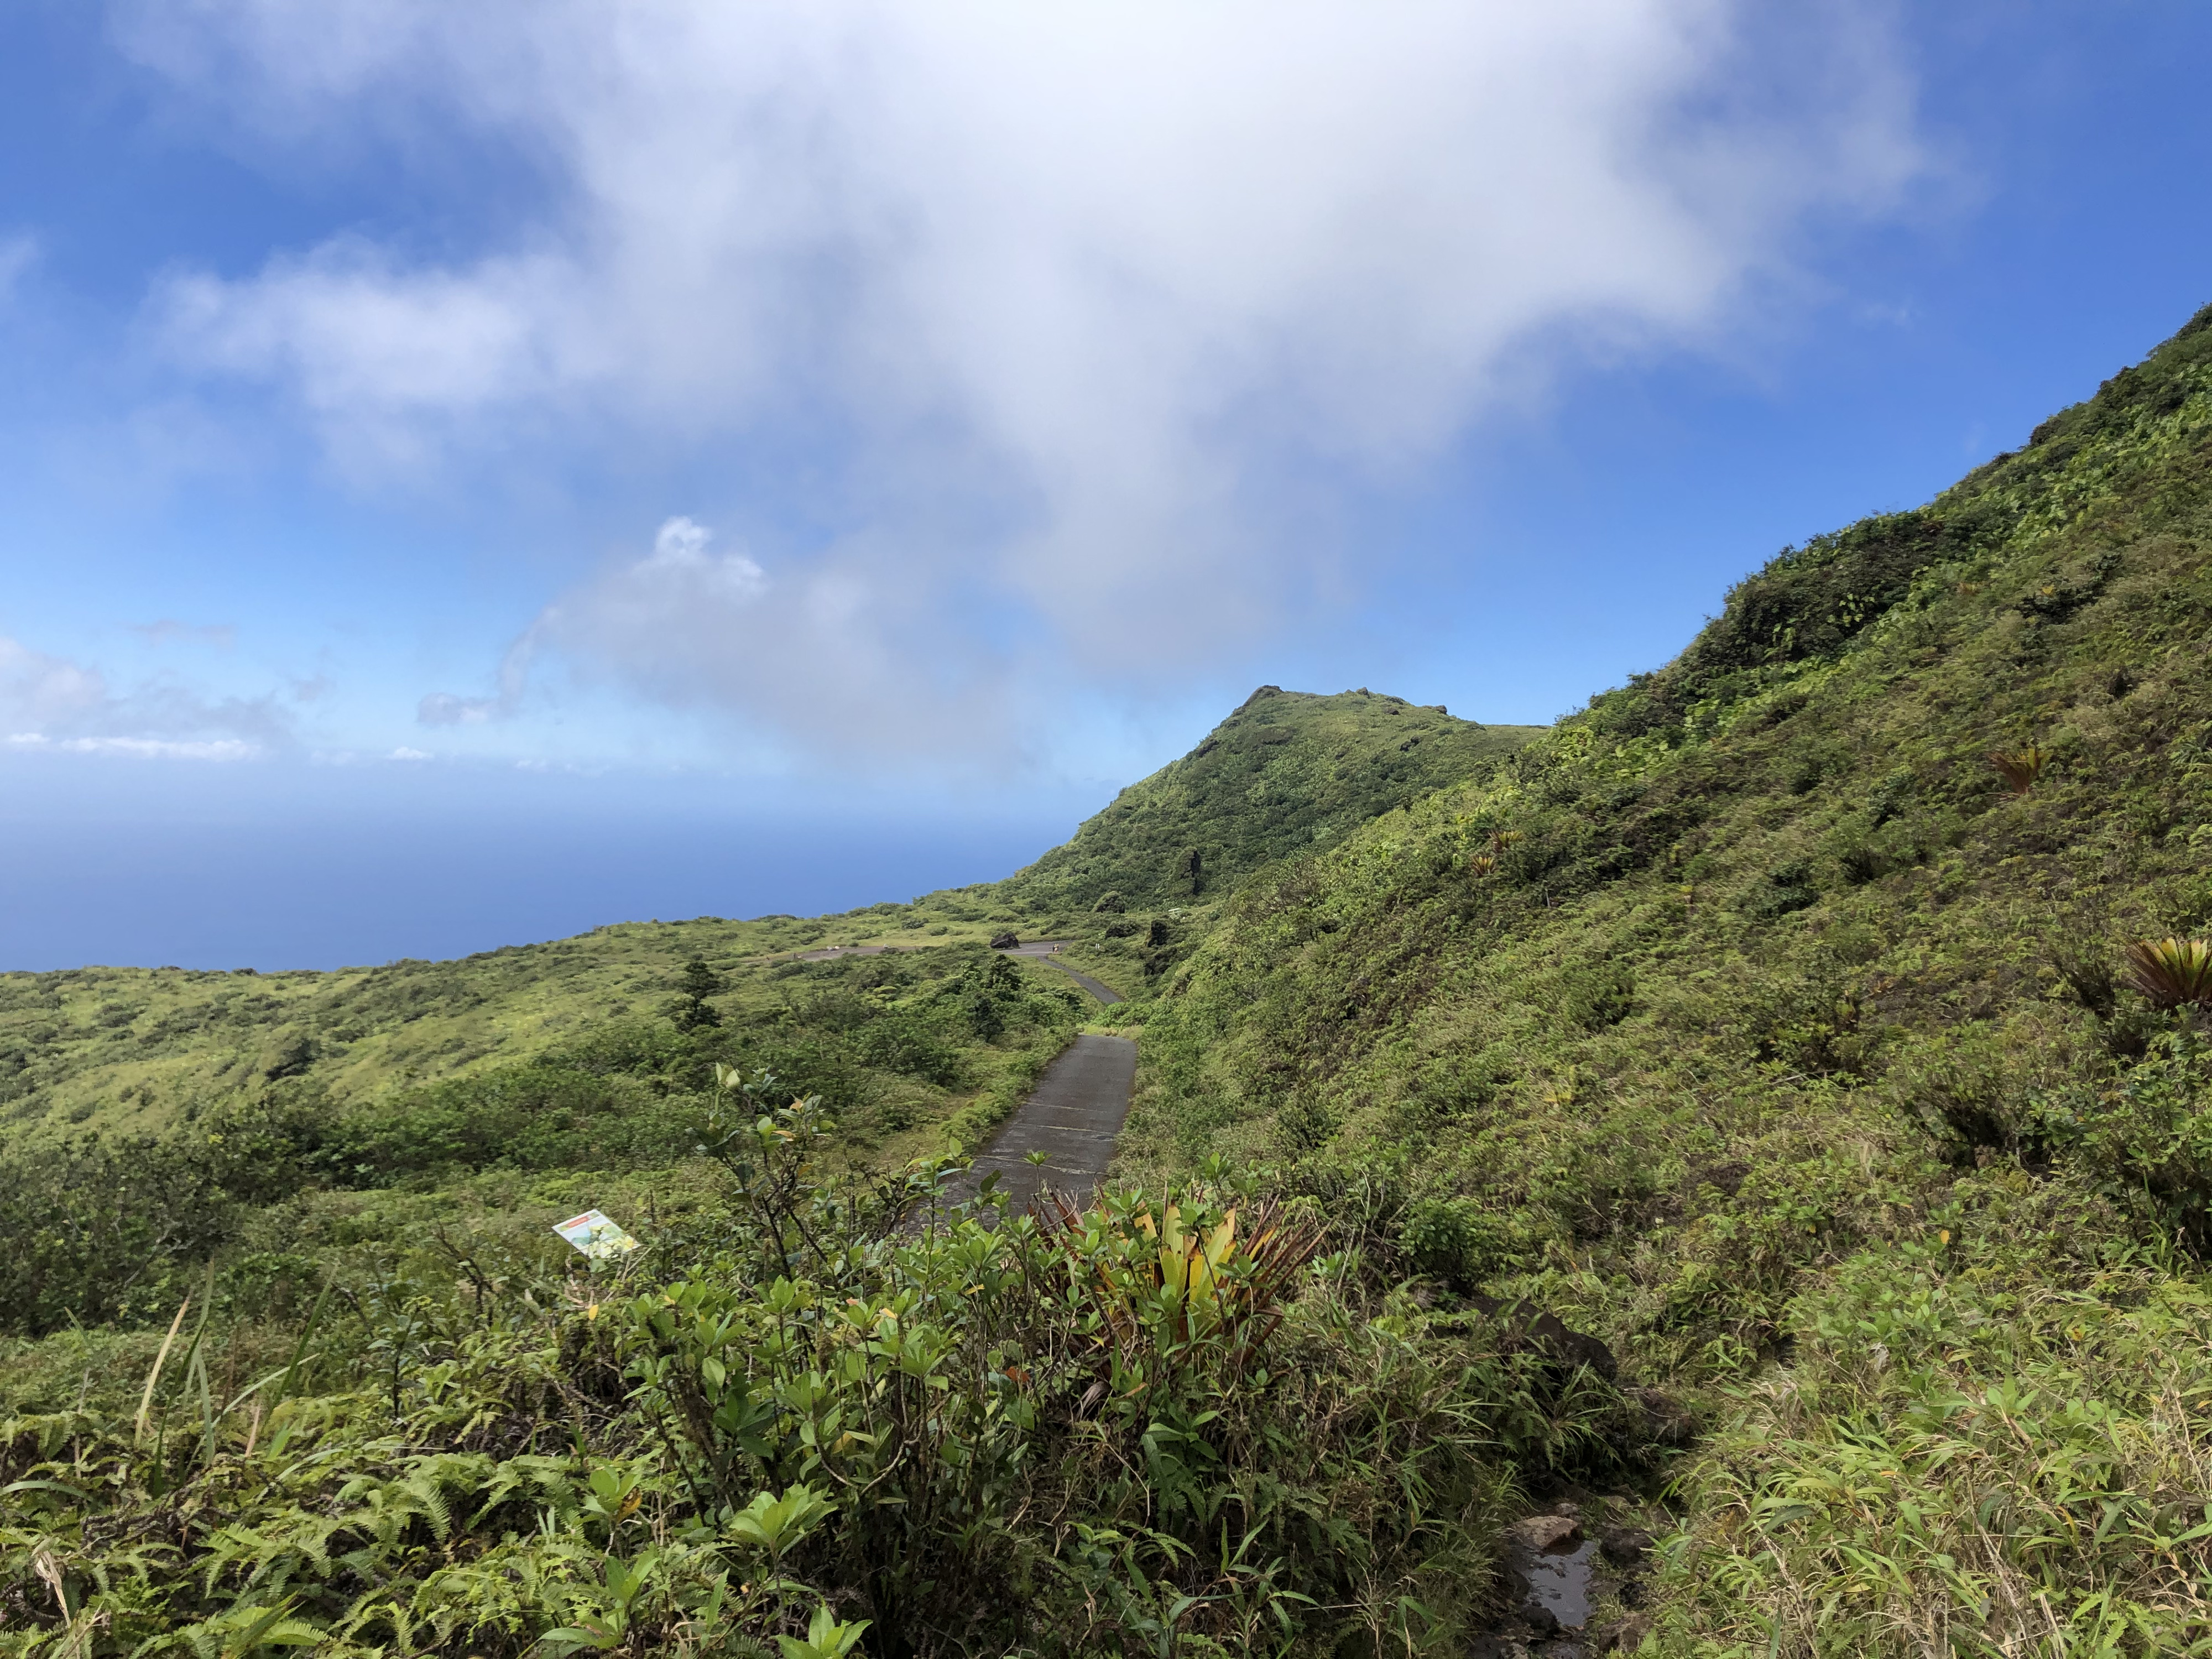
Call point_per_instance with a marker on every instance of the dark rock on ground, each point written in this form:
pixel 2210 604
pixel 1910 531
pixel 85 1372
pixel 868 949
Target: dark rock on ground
pixel 1544 1532
pixel 1665 1421
pixel 1625 1545
pixel 1005 941
pixel 1624 1636
pixel 1546 1334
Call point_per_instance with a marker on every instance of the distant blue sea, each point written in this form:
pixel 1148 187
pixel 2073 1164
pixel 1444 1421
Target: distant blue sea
pixel 345 876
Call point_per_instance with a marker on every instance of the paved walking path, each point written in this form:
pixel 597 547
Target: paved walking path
pixel 1071 1116
pixel 1105 992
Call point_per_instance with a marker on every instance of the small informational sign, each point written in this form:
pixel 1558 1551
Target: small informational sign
pixel 596 1236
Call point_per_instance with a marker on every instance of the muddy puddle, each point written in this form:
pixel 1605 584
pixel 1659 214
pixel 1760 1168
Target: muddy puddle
pixel 1561 1581
pixel 1572 1577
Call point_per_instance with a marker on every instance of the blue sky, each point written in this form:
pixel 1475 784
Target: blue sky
pixel 467 474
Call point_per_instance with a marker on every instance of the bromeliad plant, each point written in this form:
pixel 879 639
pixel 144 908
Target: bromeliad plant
pixel 1171 1274
pixel 2170 972
pixel 2020 769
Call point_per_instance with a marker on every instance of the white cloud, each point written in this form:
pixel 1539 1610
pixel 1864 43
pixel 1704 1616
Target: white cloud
pixel 834 653
pixel 60 707
pixel 35 688
pixel 1108 301
pixel 214 749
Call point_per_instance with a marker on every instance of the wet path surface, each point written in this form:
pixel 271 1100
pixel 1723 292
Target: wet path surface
pixel 1072 1117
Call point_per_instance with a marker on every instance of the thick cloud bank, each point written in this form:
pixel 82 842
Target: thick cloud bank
pixel 1099 306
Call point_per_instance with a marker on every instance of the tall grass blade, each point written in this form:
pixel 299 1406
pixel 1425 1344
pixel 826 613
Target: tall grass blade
pixel 306 1336
pixel 146 1399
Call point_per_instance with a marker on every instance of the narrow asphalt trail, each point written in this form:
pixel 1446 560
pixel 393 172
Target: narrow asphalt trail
pixel 1105 993
pixel 1071 1116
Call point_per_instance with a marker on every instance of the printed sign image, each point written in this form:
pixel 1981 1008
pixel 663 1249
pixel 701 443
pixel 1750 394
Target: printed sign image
pixel 596 1236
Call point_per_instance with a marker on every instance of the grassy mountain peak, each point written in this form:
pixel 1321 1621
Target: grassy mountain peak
pixel 1287 771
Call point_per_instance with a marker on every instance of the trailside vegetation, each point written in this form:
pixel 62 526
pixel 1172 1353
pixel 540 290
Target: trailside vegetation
pixel 823 1413
pixel 910 1053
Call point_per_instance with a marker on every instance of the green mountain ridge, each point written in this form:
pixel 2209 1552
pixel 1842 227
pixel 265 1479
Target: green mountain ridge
pixel 1285 772
pixel 1733 1110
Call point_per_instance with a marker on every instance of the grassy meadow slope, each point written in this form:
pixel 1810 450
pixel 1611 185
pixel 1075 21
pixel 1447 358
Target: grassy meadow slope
pixel 1756 1021
pixel 593 1056
pixel 135 1050
pixel 1286 772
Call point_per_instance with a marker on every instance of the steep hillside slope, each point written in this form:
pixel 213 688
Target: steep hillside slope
pixel 1771 1018
pixel 1286 772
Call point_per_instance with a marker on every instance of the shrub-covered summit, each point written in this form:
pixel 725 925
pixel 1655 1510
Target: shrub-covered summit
pixel 1286 772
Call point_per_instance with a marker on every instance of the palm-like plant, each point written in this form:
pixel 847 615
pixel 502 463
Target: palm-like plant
pixel 1484 864
pixel 2171 971
pixel 2020 768
pixel 1177 1275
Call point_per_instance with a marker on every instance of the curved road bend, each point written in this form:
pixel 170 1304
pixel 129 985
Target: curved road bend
pixel 1071 1116
pixel 1046 951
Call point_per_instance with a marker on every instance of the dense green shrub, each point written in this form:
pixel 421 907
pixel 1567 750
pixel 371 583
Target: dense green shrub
pixel 103 1230
pixel 2145 1137
pixel 1133 1429
pixel 530 1117
pixel 914 1047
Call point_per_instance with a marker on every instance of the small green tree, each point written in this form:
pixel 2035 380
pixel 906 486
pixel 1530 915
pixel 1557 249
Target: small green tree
pixel 693 1012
